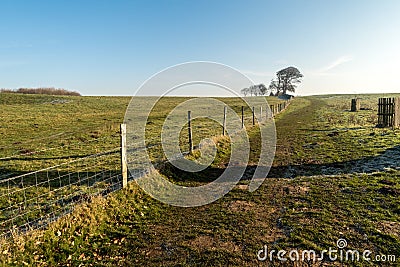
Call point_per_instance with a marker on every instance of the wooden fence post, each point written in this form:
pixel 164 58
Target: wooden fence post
pixel 224 122
pixel 355 104
pixel 242 117
pixel 190 133
pixel 261 112
pixel 391 111
pixel 254 121
pixel 396 119
pixel 124 167
pixel 379 112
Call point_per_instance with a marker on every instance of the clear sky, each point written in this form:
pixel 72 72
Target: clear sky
pixel 112 47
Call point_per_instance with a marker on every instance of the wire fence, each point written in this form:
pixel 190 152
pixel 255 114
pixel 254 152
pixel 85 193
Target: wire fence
pixel 32 200
pixel 39 151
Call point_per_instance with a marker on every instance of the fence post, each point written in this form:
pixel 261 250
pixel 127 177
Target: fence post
pixel 254 121
pixel 261 113
pixel 190 132
pixel 385 111
pixel 355 104
pixel 381 114
pixel 391 112
pixel 124 168
pixel 396 120
pixel 242 117
pixel 224 122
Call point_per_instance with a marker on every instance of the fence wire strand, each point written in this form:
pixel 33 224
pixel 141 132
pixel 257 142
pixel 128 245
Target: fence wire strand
pixel 35 199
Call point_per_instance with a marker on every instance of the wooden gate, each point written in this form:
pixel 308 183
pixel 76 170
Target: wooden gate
pixel 389 112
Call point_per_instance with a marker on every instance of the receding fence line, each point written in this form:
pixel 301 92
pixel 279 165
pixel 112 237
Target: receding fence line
pixel 270 113
pixel 33 200
pixel 389 112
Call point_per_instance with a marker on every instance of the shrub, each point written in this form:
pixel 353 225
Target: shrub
pixel 42 91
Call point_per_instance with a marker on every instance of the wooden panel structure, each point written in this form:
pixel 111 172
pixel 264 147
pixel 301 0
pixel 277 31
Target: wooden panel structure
pixel 389 112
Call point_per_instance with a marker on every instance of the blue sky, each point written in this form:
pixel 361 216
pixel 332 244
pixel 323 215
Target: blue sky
pixel 112 47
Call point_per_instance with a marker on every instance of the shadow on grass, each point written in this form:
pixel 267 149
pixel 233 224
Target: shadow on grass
pixel 51 194
pixel 388 159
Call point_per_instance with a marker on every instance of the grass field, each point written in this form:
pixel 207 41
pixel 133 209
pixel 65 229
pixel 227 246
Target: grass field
pixel 335 175
pixel 61 134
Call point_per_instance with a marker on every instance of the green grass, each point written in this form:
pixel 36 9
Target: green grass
pixel 38 131
pixel 42 131
pixel 298 206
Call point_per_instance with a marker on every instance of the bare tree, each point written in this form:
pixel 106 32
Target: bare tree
pixel 245 91
pixel 255 90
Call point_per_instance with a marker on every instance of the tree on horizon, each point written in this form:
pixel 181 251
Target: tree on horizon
pixel 287 80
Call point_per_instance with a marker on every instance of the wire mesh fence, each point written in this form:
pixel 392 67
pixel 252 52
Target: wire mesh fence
pixel 32 200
